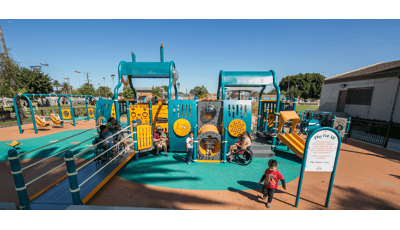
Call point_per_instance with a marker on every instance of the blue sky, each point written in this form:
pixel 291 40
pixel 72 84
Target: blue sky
pixel 201 48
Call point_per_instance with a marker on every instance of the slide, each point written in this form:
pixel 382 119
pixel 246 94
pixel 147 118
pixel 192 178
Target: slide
pixel 291 140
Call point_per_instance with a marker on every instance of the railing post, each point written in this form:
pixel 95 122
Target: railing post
pixel 225 141
pixel 73 178
pixel 135 140
pixel 128 116
pixel 347 129
pixel 18 179
pixel 195 144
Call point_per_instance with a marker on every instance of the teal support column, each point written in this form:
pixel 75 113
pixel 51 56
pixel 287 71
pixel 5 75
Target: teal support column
pixel 135 140
pixel 59 110
pixel 239 95
pixel 278 101
pixel 333 120
pixel 72 110
pixel 73 178
pixel 259 126
pixel 17 112
pixel 265 121
pixel 195 143
pixel 225 141
pixel 151 113
pixel 128 116
pixel 18 179
pixel 162 53
pixel 133 57
pixel 295 104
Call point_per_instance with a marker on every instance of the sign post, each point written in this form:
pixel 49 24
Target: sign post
pixel 321 154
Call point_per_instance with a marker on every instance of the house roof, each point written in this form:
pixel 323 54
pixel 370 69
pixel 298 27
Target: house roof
pixel 143 88
pixel 382 69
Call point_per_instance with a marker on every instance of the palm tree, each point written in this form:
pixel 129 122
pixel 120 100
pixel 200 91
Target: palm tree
pixel 56 84
pixel 65 90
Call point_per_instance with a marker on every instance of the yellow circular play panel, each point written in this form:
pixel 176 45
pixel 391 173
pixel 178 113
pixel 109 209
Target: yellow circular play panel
pixel 202 145
pixel 236 127
pixel 182 127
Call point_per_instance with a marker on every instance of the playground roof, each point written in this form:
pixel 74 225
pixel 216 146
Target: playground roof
pixel 382 69
pixel 247 89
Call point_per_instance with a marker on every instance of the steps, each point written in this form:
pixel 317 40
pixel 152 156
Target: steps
pixel 261 148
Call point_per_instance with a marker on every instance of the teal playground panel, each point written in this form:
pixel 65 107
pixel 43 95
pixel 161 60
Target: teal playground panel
pixel 180 109
pixel 103 109
pixel 236 109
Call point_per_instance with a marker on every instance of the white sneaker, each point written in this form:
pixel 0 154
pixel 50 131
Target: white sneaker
pixel 269 205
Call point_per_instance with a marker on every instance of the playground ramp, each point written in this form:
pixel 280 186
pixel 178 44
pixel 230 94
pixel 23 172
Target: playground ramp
pixel 294 142
pixel 58 196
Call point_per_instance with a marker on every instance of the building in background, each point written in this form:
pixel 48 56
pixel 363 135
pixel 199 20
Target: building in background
pixel 370 95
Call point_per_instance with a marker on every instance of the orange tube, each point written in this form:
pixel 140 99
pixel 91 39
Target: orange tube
pixel 208 128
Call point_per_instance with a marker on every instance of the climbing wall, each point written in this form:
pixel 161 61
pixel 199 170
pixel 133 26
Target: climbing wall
pixel 237 118
pixel 182 117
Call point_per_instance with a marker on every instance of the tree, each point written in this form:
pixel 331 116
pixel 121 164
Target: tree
pixel 157 91
pixel 309 84
pixel 199 91
pixel 87 90
pixel 164 88
pixel 292 93
pixel 255 94
pixel 178 84
pixel 271 92
pixel 56 84
pixel 103 90
pixel 127 93
pixel 65 89
pixel 110 95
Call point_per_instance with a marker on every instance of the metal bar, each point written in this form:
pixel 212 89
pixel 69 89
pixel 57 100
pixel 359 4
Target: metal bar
pixel 102 167
pixel 37 178
pixel 57 141
pixel 101 154
pixel 56 154
pixel 86 150
pixel 195 144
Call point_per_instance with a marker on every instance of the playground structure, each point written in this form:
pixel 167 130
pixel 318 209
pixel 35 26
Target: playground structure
pixel 66 114
pixel 222 120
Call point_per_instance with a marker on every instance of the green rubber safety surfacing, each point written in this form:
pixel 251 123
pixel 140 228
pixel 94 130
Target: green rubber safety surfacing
pixel 33 143
pixel 173 172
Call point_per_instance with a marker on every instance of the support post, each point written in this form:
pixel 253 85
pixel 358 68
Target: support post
pixel 73 178
pixel 348 129
pixel 18 179
pixel 135 143
pixel 195 144
pixel 295 104
pixel 333 121
pixel 225 144
pixel 128 116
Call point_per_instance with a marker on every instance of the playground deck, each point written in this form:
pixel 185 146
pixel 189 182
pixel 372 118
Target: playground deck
pixel 367 177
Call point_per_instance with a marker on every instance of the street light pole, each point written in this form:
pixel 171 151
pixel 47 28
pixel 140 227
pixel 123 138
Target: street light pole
pixel 79 82
pixel 112 76
pixel 104 78
pixel 45 65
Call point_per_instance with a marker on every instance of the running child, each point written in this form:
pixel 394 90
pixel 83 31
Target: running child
pixel 271 179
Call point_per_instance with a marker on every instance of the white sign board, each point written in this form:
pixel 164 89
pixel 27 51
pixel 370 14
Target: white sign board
pixel 340 125
pixel 321 152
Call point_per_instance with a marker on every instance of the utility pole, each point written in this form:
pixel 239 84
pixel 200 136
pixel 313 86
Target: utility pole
pixel 69 86
pixel 112 76
pixel 79 82
pixel 104 86
pixel 88 78
pixel 45 65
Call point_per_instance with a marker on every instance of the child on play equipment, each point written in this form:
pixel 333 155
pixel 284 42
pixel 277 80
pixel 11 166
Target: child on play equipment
pixel 235 146
pixel 163 137
pixel 106 133
pixel 209 145
pixel 271 179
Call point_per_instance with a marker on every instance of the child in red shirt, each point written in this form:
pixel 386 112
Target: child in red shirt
pixel 272 177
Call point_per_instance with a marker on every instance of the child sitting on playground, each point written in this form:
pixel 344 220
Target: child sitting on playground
pixel 235 146
pixel 271 179
pixel 106 133
pixel 209 145
pixel 163 137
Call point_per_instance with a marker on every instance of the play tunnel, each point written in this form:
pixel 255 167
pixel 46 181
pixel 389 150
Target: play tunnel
pixel 202 138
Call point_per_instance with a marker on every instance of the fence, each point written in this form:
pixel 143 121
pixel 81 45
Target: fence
pixel 374 132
